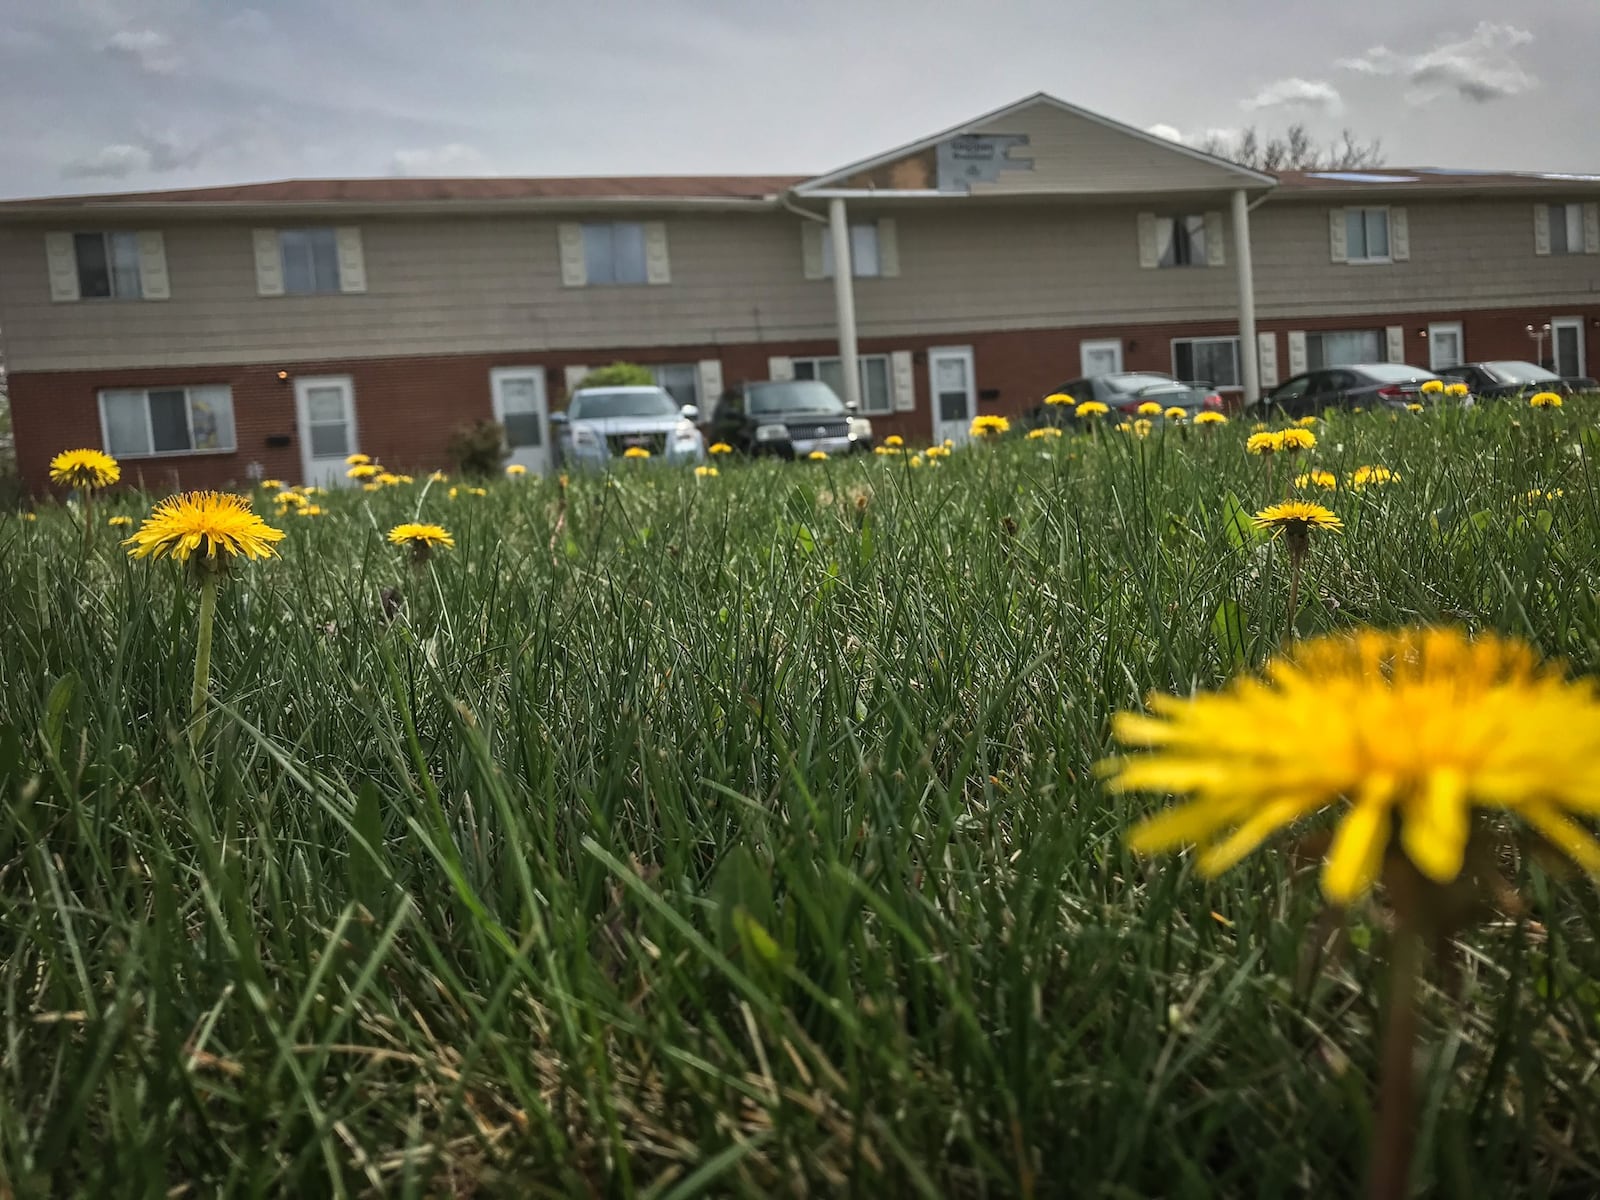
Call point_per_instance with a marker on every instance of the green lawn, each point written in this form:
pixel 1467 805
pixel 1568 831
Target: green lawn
pixel 741 835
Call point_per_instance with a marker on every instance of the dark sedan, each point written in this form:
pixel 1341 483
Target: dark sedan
pixel 1124 391
pixel 1514 378
pixel 1360 385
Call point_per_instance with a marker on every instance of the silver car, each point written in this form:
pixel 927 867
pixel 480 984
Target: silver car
pixel 604 423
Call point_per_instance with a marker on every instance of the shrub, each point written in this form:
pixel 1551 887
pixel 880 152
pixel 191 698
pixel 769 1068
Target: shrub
pixel 478 449
pixel 618 374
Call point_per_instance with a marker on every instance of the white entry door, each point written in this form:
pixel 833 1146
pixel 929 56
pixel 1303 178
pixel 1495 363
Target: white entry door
pixel 955 398
pixel 519 406
pixel 1566 346
pixel 1100 358
pixel 1444 345
pixel 326 409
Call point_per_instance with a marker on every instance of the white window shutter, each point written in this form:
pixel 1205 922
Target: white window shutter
pixel 903 380
pixel 888 248
pixel 811 249
pixel 1216 255
pixel 63 263
pixel 573 376
pixel 779 367
pixel 1297 352
pixel 1395 343
pixel 1149 252
pixel 1337 250
pixel 657 268
pixel 574 267
pixel 269 262
pixel 1267 355
pixel 1541 229
pixel 153 282
pixel 352 260
pixel 1591 228
pixel 1399 235
pixel 710 383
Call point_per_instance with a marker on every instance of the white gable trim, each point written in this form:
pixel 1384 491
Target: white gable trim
pixel 1246 175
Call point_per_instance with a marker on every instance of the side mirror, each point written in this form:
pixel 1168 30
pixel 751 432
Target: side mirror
pixel 851 406
pixel 690 413
pixel 557 419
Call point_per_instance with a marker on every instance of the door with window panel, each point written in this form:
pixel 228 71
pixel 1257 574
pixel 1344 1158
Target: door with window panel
pixel 519 406
pixel 1566 347
pixel 326 408
pixel 955 397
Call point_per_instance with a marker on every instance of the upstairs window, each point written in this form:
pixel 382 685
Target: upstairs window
pixel 1566 229
pixel 1181 241
pixel 1366 235
pixel 108 265
pixel 310 261
pixel 613 252
pixel 865 260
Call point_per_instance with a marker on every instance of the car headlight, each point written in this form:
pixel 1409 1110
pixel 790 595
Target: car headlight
pixel 582 435
pixel 771 433
pixel 860 428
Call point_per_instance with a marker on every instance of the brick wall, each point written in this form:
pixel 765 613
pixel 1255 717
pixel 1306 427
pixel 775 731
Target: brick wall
pixel 407 408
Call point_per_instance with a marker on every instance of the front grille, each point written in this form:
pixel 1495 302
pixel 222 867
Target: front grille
pixel 802 430
pixel 619 443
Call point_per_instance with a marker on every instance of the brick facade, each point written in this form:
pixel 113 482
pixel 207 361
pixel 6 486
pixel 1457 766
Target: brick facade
pixel 407 408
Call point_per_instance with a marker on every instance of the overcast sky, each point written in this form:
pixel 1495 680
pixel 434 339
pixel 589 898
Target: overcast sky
pixel 111 95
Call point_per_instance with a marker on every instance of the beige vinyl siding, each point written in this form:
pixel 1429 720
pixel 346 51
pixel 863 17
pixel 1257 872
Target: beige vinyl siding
pixel 1463 254
pixel 1074 154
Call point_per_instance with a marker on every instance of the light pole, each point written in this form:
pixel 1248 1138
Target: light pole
pixel 1538 333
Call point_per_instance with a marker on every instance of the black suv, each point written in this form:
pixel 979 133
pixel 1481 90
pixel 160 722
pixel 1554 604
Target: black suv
pixel 787 418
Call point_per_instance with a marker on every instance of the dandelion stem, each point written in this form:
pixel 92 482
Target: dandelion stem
pixel 202 659
pixel 88 520
pixel 1295 562
pixel 1391 1155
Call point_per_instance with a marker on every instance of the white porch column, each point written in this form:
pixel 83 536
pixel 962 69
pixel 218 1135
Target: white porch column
pixel 844 300
pixel 1249 350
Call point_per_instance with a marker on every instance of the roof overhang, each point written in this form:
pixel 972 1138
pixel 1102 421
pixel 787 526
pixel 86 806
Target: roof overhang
pixel 56 210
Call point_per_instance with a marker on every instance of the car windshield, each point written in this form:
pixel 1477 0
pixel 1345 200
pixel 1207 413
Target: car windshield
pixel 1518 372
pixel 601 406
pixel 1141 382
pixel 1394 373
pixel 799 395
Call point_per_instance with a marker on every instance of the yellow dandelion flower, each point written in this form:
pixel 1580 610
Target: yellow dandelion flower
pixel 886 451
pixel 937 451
pixel 1058 398
pixel 119 522
pixel 1149 409
pixel 30 516
pixel 271 485
pixel 514 470
pixel 372 487
pixel 1326 480
pixel 1432 387
pixel 706 472
pixel 1124 427
pixel 719 448
pixel 364 470
pixel 388 479
pixel 1413 407
pixel 357 460
pixel 291 500
pixel 989 425
pixel 438 477
pixel 1090 408
pixel 1210 418
pixel 1044 431
pixel 1176 415
pixel 421 538
pixel 636 452
pixel 1296 519
pixel 815 455
pixel 1293 440
pixel 1406 731
pixel 311 510
pixel 1536 496
pixel 895 440
pixel 84 469
pixel 404 479
pixel 1457 389
pixel 1264 443
pixel 1544 400
pixel 455 491
pixel 477 491
pixel 217 525
pixel 1364 476
pixel 1307 421
pixel 916 460
pixel 1142 428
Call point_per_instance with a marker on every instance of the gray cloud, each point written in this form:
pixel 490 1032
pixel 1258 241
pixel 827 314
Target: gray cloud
pixel 147 49
pixel 1480 67
pixel 1295 92
pixel 147 156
